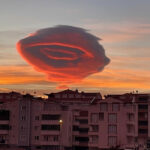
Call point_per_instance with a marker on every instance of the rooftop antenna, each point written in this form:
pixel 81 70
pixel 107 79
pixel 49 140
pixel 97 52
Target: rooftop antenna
pixel 92 100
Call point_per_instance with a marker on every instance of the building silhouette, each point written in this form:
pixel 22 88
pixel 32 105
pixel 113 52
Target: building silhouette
pixel 73 120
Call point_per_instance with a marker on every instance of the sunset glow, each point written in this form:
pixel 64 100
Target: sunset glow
pixel 100 46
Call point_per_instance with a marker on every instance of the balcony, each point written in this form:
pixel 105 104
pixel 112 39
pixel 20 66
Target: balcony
pixel 4 122
pixel 50 143
pixel 85 144
pixel 50 132
pixel 50 122
pixel 4 131
pixel 93 133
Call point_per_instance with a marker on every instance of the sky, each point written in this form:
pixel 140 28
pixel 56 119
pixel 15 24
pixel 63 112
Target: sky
pixel 122 25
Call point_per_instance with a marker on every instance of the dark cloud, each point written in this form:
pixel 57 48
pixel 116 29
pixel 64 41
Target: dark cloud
pixel 65 54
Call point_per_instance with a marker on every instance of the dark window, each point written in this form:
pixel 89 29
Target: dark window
pixel 143 98
pixel 143 123
pixel 83 130
pixel 84 113
pixel 94 128
pixel 143 115
pixel 50 127
pixel 143 131
pixel 23 107
pixel 4 127
pixel 83 121
pixel 64 108
pixel 4 115
pixel 23 118
pixel 82 139
pixel 142 106
pixel 101 116
pixel 36 137
pixel 75 128
pixel 37 117
pixel 50 117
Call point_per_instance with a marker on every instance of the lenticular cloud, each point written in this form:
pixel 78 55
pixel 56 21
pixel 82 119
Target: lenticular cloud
pixel 65 54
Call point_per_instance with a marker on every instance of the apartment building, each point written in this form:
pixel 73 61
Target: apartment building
pixel 73 120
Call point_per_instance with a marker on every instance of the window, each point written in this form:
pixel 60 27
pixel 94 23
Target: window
pixel 130 128
pixel 130 116
pixel 112 140
pixel 36 138
pixel 50 117
pixel 64 96
pixel 142 106
pixel 112 129
pixel 94 139
pixel 50 127
pixel 57 95
pixel 71 96
pixel 101 116
pixel 94 117
pixel 143 115
pixel 4 115
pixel 143 98
pixel 103 107
pixel 115 107
pixel 112 118
pixel 143 123
pixel 52 138
pixel 82 139
pixel 94 128
pixel 37 118
pixel 23 107
pixel 143 131
pixel 22 128
pixel 83 121
pixel 130 139
pixel 83 130
pixel 84 113
pixel 23 118
pixel 22 137
pixel 64 108
pixel 75 128
pixel 36 127
pixel 4 127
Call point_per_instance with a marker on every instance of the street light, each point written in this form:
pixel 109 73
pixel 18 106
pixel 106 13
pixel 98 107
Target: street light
pixel 60 122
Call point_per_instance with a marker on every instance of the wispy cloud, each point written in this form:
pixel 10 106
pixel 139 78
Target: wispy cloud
pixel 119 78
pixel 19 75
pixel 118 32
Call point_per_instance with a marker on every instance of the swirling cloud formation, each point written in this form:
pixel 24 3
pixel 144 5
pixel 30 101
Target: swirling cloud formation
pixel 66 54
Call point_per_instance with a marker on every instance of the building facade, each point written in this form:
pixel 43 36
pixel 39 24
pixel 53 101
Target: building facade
pixel 73 120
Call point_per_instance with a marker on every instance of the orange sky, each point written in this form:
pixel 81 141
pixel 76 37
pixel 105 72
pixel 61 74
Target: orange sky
pixel 122 26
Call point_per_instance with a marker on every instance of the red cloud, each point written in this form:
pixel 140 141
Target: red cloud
pixel 65 54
